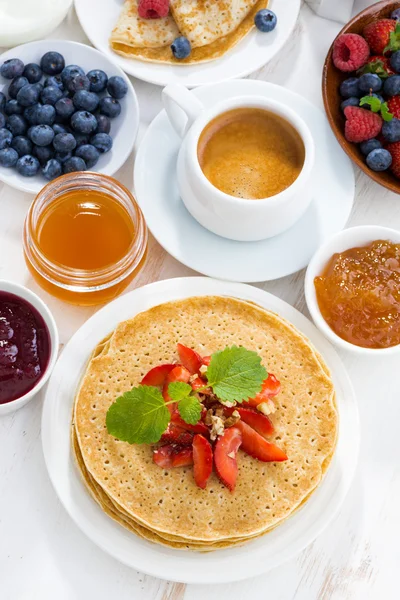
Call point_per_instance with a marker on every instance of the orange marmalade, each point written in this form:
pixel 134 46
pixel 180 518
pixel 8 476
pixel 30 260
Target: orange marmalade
pixel 85 238
pixel 359 294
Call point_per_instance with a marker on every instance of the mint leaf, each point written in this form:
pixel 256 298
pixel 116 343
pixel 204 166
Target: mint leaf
pixel 178 390
pixel 189 409
pixel 373 102
pixel 236 374
pixel 386 115
pixel 139 416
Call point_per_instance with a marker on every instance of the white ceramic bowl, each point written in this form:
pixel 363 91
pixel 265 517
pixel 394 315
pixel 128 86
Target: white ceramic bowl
pixel 348 238
pixel 36 302
pixel 123 129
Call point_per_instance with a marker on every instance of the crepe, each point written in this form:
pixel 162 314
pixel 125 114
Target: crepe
pixel 133 31
pixel 167 503
pixel 219 43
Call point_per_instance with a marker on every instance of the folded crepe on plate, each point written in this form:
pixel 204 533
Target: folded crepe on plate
pixel 211 26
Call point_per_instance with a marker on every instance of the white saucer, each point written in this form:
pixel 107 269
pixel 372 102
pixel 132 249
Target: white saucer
pixel 98 18
pixel 196 247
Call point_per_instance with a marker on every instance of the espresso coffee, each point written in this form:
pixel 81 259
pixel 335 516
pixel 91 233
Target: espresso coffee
pixel 250 153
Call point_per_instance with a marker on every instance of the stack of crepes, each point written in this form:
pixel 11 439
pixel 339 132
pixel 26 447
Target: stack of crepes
pixel 166 506
pixel 211 26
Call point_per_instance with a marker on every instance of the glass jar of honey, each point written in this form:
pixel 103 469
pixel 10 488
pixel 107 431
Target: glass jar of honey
pixel 85 238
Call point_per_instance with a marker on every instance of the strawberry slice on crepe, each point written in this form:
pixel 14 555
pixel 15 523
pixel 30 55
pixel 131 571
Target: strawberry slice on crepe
pixel 270 388
pixel 257 446
pixel 190 359
pixel 225 451
pixel 177 374
pixel 202 460
pixel 157 375
pixel 261 423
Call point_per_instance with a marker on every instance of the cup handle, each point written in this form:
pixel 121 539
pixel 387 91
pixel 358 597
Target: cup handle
pixel 182 107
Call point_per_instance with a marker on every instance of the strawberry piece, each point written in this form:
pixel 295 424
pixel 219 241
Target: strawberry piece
pixel 394 150
pixel 202 460
pixel 176 435
pixel 394 106
pixel 201 384
pixel 157 375
pixel 377 34
pixel 361 124
pixel 379 65
pixel 190 359
pixel 258 447
pixel 153 9
pixel 182 457
pixel 270 388
pixel 225 451
pixel 200 427
pixel 206 360
pixel 163 456
pixel 173 455
pixel 350 52
pixel 177 374
pixel 259 422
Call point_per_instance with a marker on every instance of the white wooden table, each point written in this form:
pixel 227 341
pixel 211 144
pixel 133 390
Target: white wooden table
pixel 44 556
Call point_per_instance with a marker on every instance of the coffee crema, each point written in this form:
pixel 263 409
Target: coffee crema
pixel 250 153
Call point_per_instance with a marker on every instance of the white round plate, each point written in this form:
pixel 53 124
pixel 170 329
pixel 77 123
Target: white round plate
pixel 123 129
pixel 222 566
pixel 98 17
pixel 186 240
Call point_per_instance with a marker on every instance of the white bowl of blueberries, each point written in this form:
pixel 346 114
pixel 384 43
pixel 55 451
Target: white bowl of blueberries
pixel 64 107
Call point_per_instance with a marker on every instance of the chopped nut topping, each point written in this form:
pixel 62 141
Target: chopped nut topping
pixel 203 369
pixel 208 417
pixel 217 427
pixel 192 378
pixel 267 408
pixel 229 404
pixel 231 455
pixel 233 419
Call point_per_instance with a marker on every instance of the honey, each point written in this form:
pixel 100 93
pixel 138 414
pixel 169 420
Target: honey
pixel 359 294
pixel 85 238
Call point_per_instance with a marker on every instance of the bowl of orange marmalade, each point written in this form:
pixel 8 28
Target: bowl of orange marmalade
pixel 352 290
pixel 85 238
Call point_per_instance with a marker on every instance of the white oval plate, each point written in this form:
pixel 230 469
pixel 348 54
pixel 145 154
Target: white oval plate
pixel 123 129
pixel 222 566
pixel 196 247
pixel 98 18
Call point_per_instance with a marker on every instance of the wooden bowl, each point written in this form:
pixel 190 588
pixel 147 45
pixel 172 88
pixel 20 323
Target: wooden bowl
pixel 331 80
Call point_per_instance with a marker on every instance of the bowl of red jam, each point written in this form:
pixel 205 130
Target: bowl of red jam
pixel 28 345
pixel 352 289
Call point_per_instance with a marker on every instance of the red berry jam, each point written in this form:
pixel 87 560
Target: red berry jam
pixel 24 347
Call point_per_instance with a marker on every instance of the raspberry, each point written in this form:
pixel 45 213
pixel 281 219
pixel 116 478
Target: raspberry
pixel 350 52
pixel 378 33
pixel 153 9
pixel 361 125
pixel 394 106
pixel 394 150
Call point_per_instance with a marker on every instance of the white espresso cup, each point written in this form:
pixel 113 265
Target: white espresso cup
pixel 225 215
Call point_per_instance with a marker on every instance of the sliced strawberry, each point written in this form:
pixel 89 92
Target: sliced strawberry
pixel 182 457
pixel 206 360
pixel 177 374
pixel 258 447
pixel 157 375
pixel 261 423
pixel 200 427
pixel 163 456
pixel 190 359
pixel 200 384
pixel 202 460
pixel 270 388
pixel 176 435
pixel 225 451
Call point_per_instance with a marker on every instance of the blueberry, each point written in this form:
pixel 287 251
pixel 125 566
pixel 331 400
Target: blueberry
pixel 84 100
pixel 55 81
pixel 45 114
pixel 51 94
pixel 43 153
pixel 369 145
pixel 379 159
pixel 75 163
pixel 41 135
pixel 64 142
pixel 265 20
pixel 380 98
pixel 102 142
pixel 117 87
pixel 81 138
pixel 52 63
pixel 52 169
pixel 98 80
pixel 349 88
pixel 395 61
pixel 396 14
pixel 3 100
pixel 8 157
pixel 39 87
pixel 369 82
pixel 71 71
pixel 103 124
pixel 62 157
pixel 77 83
pixel 28 95
pixel 28 165
pixel 33 73
pixel 12 68
pixel 31 114
pixel 391 86
pixel 83 122
pixel 22 145
pixel 391 130
pixel 16 84
pixel 64 108
pixel 59 128
pixel 181 47
pixel 2 121
pixel 89 153
pixel 350 102
pixel 16 124
pixel 110 107
pixel 5 138
pixel 13 108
